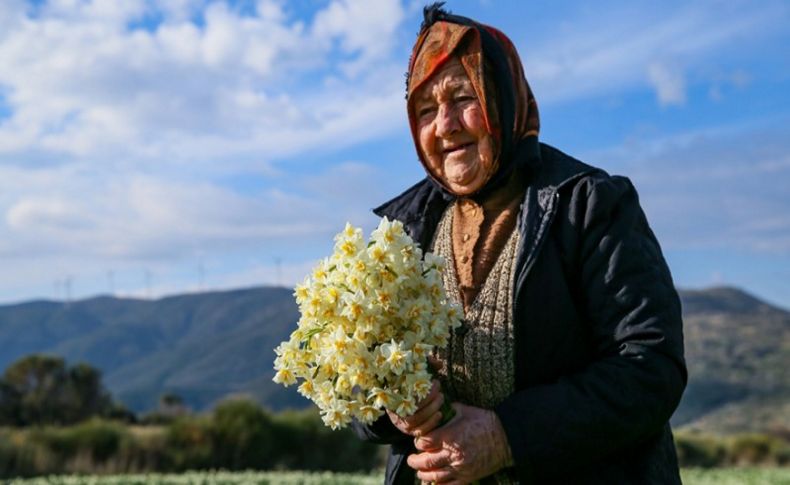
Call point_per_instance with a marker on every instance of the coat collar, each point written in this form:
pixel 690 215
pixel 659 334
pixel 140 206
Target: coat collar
pixel 548 170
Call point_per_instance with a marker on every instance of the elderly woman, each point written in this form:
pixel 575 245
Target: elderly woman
pixel 570 360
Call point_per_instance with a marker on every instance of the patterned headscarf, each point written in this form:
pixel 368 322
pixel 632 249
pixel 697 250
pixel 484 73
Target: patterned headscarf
pixel 494 69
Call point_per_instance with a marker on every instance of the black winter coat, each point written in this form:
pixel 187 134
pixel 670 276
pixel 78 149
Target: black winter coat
pixel 599 343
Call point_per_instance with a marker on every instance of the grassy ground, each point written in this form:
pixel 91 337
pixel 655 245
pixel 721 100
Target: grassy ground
pixel 736 476
pixel 727 476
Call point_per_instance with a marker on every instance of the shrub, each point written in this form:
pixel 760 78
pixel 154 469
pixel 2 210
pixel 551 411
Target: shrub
pixel 305 443
pixel 188 443
pixel 20 457
pixel 754 449
pixel 237 435
pixel 242 437
pixel 696 450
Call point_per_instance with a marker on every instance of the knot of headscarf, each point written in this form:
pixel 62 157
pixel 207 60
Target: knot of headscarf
pixel 495 71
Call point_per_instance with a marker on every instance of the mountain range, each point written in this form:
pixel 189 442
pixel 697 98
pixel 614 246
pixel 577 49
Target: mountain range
pixel 207 346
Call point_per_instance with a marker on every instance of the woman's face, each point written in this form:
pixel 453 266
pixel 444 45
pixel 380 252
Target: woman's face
pixel 451 130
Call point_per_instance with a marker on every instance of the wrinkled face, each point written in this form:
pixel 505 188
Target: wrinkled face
pixel 451 129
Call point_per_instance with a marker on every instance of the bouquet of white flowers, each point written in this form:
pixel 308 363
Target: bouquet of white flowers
pixel 370 316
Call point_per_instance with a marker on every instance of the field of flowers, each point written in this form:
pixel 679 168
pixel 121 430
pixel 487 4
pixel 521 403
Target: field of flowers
pixel 210 478
pixel 731 476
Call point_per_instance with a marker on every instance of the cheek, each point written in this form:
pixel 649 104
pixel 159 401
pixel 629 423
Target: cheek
pixel 427 139
pixel 474 121
pixel 485 148
pixel 476 126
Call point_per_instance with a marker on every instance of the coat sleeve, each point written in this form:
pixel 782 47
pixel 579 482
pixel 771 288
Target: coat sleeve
pixel 380 432
pixel 628 390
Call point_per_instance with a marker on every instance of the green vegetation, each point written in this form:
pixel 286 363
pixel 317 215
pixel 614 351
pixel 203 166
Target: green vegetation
pixel 61 420
pixel 212 478
pixel 736 476
pixel 730 476
pixel 205 346
pixel 238 435
pixel 41 389
pixel 201 346
pixel 707 451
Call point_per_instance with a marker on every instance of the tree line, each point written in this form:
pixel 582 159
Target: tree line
pixel 41 389
pixel 56 418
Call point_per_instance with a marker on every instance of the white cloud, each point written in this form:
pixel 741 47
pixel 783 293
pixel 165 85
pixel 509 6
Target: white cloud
pixel 361 26
pixel 119 139
pixel 669 83
pixel 143 217
pixel 605 53
pixel 120 142
pixel 67 221
pixel 723 187
pixel 80 83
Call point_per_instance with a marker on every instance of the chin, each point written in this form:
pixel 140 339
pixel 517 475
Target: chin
pixel 463 189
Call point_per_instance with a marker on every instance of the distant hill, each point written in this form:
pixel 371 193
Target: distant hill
pixel 738 355
pixel 200 346
pixel 209 345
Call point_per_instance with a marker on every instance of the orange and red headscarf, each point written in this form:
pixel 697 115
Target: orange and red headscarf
pixel 495 71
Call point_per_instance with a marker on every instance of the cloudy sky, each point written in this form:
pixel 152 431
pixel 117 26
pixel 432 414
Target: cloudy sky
pixel 156 147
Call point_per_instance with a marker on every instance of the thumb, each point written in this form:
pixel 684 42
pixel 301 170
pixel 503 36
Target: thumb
pixel 435 363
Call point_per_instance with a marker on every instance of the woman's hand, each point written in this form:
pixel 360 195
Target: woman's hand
pixel 426 418
pixel 471 446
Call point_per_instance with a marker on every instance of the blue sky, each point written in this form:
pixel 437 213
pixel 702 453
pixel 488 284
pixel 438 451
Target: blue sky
pixel 157 147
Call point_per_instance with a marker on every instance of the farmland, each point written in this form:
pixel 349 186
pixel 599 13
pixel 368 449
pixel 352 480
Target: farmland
pixel 691 476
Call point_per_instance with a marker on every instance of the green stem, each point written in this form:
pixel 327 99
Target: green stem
pixel 448 412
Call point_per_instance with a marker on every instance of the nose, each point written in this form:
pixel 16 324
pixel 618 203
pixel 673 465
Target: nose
pixel 446 120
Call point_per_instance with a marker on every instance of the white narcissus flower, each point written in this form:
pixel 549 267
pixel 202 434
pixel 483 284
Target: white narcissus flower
pixel 285 377
pixel 369 414
pixel 307 388
pixel 419 383
pixel 434 261
pixel 383 398
pixel 371 313
pixel 343 385
pixel 336 415
pixel 407 407
pixel 396 356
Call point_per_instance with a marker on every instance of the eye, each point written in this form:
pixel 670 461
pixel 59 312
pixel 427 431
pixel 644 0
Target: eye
pixel 465 98
pixel 425 110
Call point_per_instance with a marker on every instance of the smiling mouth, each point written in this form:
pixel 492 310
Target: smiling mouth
pixel 457 148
